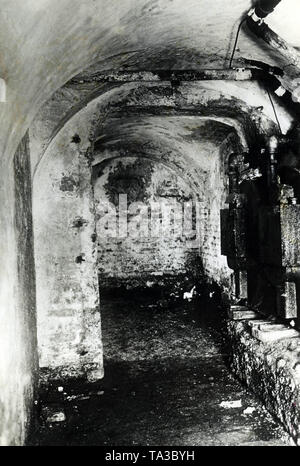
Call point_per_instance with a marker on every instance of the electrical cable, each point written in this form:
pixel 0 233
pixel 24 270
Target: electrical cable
pixel 236 41
pixel 274 110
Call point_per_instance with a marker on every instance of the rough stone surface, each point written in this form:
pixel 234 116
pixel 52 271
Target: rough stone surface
pixel 18 361
pixel 69 326
pixel 271 371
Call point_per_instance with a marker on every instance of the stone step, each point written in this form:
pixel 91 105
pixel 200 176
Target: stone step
pixel 237 312
pixel 268 333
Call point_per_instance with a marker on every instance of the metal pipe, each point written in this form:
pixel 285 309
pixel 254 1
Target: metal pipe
pixel 265 7
pixel 256 24
pixel 274 40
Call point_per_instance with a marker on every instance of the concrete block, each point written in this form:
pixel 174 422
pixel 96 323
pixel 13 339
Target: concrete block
pixel 241 313
pixel 258 323
pixel 268 333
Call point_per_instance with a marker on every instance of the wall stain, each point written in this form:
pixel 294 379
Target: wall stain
pixel 68 183
pixel 133 180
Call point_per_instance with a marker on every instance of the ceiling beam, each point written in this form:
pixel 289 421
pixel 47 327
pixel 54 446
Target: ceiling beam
pixel 236 74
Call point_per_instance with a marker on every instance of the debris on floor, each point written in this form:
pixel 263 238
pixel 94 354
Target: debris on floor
pixel 189 294
pixel 249 410
pixel 51 415
pixel 165 379
pixel 231 404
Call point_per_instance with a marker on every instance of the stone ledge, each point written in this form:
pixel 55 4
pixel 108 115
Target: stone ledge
pixel 271 332
pixel 270 369
pixel 237 312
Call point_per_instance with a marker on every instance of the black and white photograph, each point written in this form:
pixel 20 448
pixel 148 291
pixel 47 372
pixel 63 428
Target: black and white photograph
pixel 150 226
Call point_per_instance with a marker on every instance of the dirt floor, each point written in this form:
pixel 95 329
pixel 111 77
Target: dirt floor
pixel 166 383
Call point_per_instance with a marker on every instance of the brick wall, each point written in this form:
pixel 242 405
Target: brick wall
pixel 142 259
pixel 145 260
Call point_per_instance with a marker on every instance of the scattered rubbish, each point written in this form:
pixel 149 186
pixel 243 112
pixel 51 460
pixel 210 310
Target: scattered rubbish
pixel 149 284
pixel 101 392
pixel 292 323
pixel 53 415
pixel 249 410
pixel 250 174
pixel 189 294
pixel 211 294
pixel 57 417
pixel 231 404
pixel 78 397
pixel 60 389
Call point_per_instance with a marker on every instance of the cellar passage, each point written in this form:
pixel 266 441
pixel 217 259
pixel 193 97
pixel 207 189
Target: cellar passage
pixel 149 184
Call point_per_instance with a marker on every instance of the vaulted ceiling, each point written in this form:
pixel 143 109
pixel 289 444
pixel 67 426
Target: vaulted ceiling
pixel 46 42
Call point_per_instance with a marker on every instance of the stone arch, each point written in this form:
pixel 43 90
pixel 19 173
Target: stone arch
pixel 202 98
pixel 76 140
pixel 83 123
